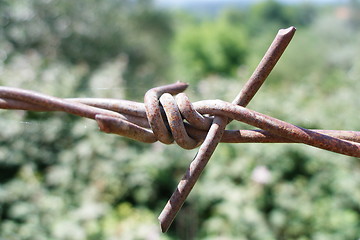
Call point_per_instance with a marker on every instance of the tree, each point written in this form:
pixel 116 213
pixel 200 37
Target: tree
pixel 91 33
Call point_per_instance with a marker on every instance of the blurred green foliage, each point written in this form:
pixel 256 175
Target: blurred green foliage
pixel 214 47
pixel 91 33
pixel 271 13
pixel 60 178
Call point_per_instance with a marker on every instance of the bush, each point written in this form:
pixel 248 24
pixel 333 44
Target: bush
pixel 209 48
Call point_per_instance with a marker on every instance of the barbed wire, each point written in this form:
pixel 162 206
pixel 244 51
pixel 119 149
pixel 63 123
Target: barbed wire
pixel 168 119
pixel 165 118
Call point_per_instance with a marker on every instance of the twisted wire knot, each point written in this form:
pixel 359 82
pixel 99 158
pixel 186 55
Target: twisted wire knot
pixel 165 117
pixel 171 126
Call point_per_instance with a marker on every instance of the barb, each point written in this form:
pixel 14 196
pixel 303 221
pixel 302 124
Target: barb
pixel 217 128
pixel 165 118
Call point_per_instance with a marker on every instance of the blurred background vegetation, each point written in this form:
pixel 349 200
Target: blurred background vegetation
pixel 60 178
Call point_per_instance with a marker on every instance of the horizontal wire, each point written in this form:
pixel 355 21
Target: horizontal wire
pixel 123 116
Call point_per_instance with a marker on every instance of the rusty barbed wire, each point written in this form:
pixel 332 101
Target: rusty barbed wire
pixel 165 118
pixel 127 118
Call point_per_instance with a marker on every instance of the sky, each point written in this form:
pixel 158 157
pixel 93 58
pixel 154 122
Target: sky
pixel 181 2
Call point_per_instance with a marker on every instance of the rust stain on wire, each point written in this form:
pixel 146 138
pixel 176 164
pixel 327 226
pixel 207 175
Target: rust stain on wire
pixel 165 118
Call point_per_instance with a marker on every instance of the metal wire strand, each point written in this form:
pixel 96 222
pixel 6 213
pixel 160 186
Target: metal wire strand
pixel 128 118
pixel 272 55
